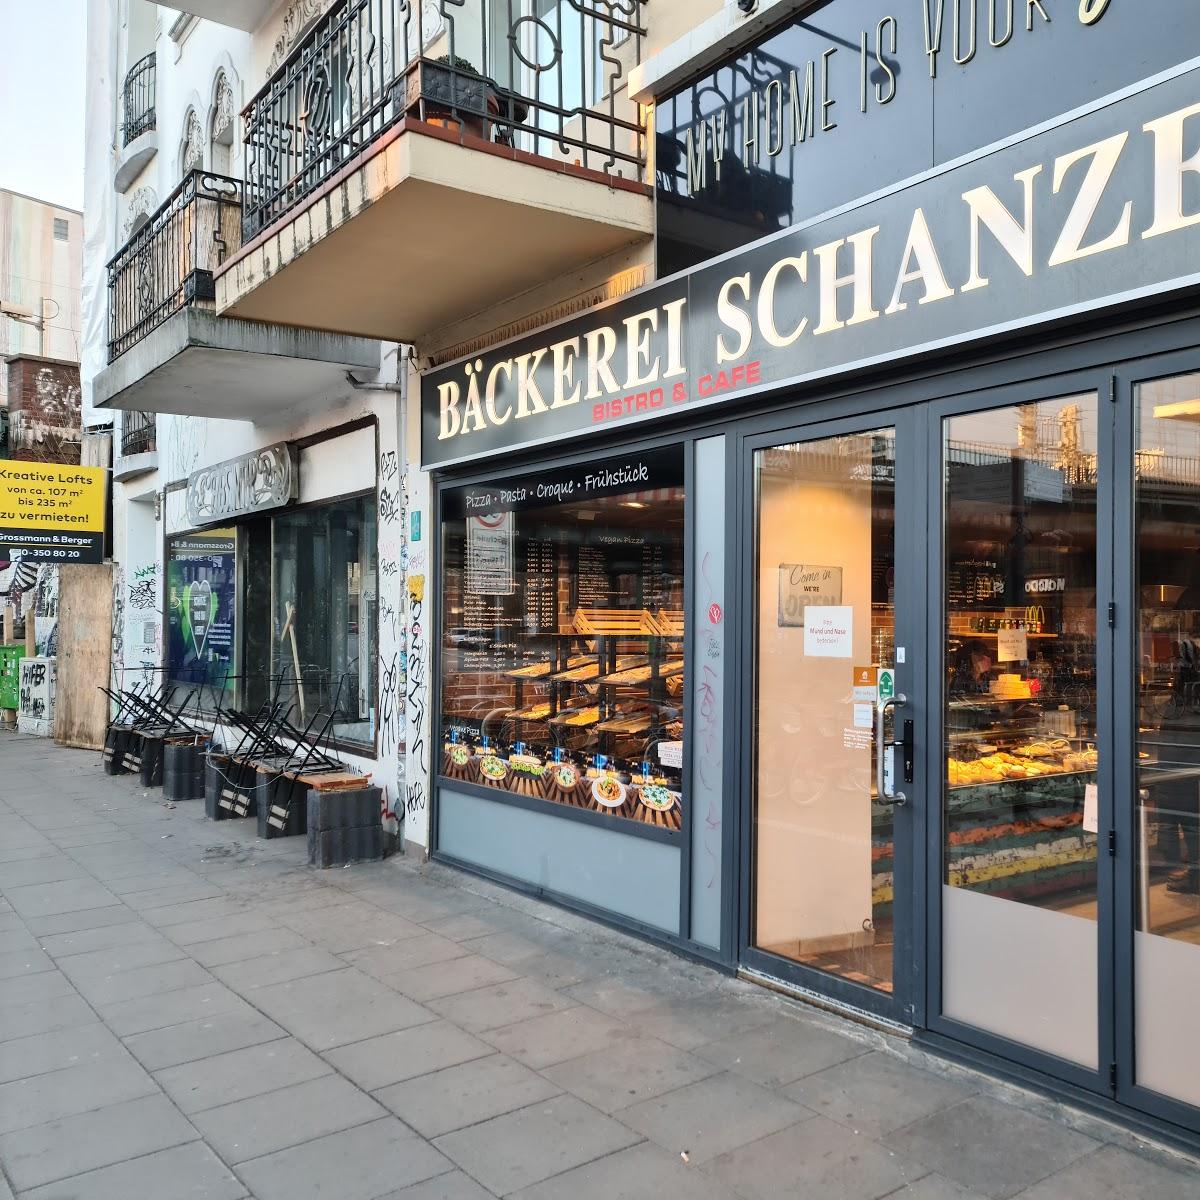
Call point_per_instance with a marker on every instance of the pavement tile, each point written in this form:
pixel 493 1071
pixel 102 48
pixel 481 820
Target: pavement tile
pixel 782 1051
pixel 17 963
pixel 44 1016
pixel 1114 1174
pixel 355 1164
pixel 633 1174
pixel 172 895
pixel 190 1172
pixel 876 1093
pixel 568 1033
pixel 190 911
pixel 243 946
pixel 614 996
pixel 616 1077
pixel 153 880
pixel 43 1052
pixel 351 926
pixel 503 1004
pixel 934 1187
pixel 186 1004
pixel 76 1089
pixel 74 1145
pixel 994 1148
pixel 466 926
pixel 28 989
pixel 103 937
pixel 17 938
pixel 277 968
pixel 113 960
pixel 62 896
pixel 814 1158
pixel 139 982
pixel 188 933
pixel 690 1024
pixel 240 1074
pixel 202 1038
pixel 87 918
pixel 465 1094
pixel 291 1116
pixel 524 1147
pixel 559 970
pixel 392 958
pixel 44 869
pixel 405 1054
pixel 452 1186
pixel 338 1007
pixel 712 1117
pixel 451 977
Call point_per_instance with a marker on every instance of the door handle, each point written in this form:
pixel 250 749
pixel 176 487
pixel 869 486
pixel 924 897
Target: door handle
pixel 882 746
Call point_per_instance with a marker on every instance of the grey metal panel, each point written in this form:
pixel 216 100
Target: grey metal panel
pixel 630 877
pixel 707 799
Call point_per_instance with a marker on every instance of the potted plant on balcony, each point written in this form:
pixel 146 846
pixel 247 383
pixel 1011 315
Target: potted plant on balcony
pixel 455 94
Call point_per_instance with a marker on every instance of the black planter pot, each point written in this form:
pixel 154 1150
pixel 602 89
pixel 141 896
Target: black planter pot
pixel 183 771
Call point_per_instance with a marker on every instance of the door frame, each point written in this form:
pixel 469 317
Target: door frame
pixel 816 422
pixel 1126 380
pixel 1051 386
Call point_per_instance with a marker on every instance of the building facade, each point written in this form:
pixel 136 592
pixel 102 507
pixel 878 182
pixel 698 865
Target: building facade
pixel 41 254
pixel 796 562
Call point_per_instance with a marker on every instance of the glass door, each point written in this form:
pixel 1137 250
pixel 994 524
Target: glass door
pixel 1022 896
pixel 833 565
pixel 1158 786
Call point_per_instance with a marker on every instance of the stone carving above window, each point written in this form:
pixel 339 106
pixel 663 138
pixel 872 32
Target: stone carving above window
pixel 191 150
pixel 223 107
pixel 141 204
pixel 300 14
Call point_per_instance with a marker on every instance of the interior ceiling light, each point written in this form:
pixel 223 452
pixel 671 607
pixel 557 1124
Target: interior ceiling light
pixel 632 504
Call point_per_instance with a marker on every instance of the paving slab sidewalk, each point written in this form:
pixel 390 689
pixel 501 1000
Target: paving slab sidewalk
pixel 186 1011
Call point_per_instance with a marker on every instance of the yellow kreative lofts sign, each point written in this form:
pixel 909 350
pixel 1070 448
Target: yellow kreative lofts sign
pixel 52 513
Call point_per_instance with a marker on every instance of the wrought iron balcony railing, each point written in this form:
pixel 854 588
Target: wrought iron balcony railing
pixel 138 430
pixel 546 77
pixel 169 262
pixel 137 99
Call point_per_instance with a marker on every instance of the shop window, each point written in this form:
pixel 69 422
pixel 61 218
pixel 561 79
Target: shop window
pixel 562 642
pixel 323 601
pixel 201 595
pixel 1021 753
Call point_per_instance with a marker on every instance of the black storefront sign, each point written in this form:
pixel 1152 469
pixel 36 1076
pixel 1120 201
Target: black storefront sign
pixel 1099 210
pixel 846 99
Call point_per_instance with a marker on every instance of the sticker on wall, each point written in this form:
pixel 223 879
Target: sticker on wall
pixel 866 685
pixel 829 631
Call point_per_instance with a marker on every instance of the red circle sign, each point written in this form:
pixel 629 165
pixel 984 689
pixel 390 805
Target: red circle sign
pixel 715 614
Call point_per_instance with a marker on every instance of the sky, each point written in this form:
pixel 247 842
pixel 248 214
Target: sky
pixel 42 98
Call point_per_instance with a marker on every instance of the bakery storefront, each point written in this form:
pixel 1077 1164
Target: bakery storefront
pixel 831 608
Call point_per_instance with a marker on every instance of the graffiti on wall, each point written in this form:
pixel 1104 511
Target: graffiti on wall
pixel 143 620
pixel 393 658
pixel 418 753
pixel 36 689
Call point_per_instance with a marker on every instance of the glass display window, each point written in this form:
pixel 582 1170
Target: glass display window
pixel 562 648
pixel 323 601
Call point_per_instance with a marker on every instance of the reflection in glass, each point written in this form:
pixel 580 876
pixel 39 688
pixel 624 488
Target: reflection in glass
pixel 323 597
pixel 1021 751
pixel 1167 945
pixel 825 624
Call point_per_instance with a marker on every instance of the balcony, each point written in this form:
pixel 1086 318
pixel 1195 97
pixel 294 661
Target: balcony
pixel 247 15
pixel 139 132
pixel 137 450
pixel 410 164
pixel 168 351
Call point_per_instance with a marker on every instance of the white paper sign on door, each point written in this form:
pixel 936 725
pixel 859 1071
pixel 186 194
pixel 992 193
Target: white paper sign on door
pixel 864 716
pixel 829 631
pixel 1091 809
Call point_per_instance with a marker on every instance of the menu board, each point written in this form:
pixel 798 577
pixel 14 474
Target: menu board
pixel 541 587
pixel 593 579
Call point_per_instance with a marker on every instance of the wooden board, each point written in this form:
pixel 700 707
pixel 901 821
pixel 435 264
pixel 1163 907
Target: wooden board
pixel 81 712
